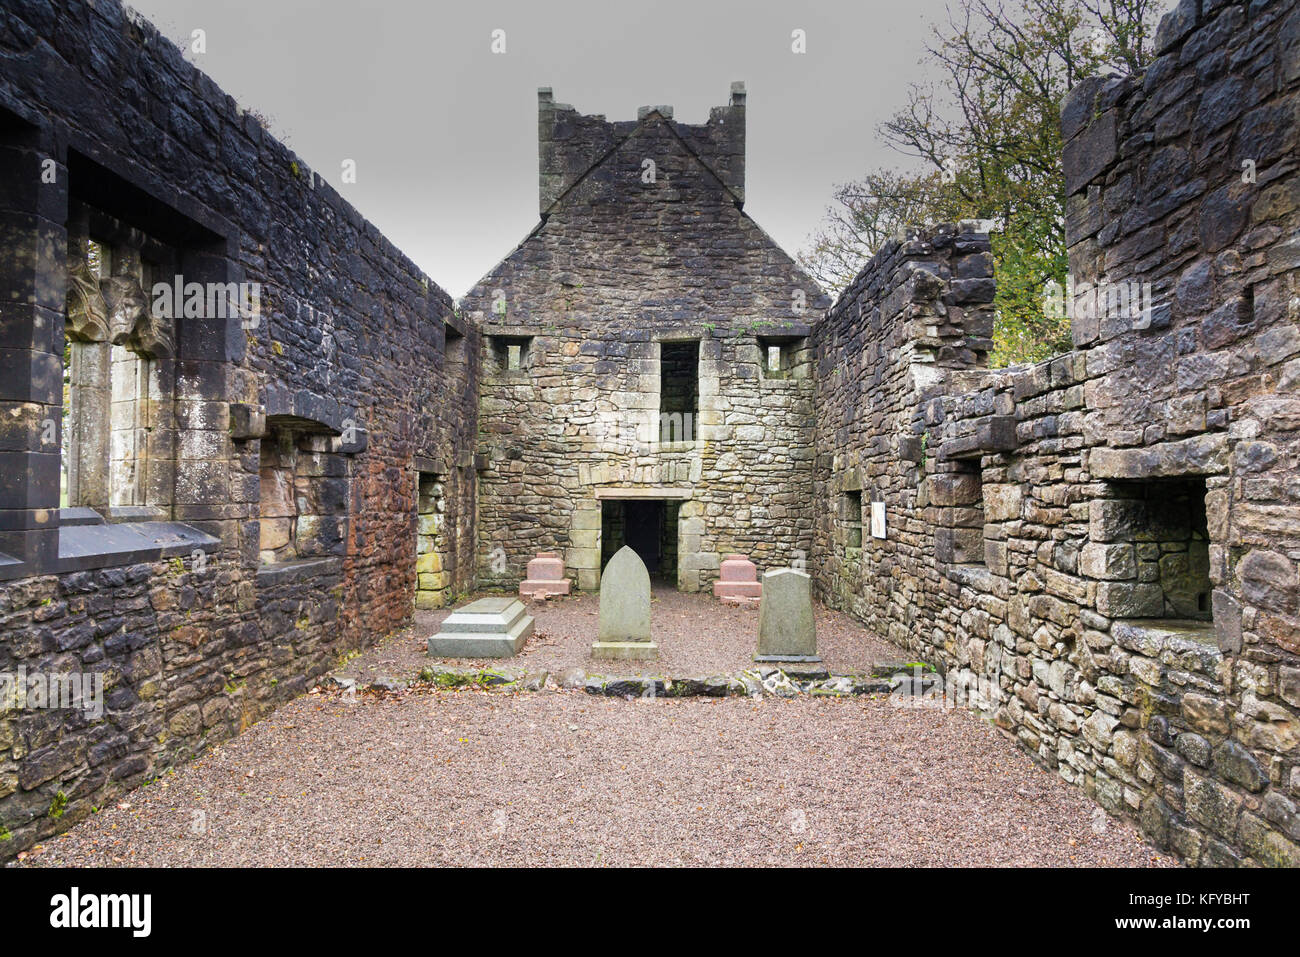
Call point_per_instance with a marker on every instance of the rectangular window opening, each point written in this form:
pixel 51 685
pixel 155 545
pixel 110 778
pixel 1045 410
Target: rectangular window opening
pixel 1150 548
pixel 960 535
pixel 431 546
pixel 512 354
pixel 851 518
pixel 304 496
pixel 454 350
pixel 679 390
pixel 777 357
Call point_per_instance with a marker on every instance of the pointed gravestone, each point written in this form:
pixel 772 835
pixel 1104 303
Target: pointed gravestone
pixel 786 631
pixel 624 630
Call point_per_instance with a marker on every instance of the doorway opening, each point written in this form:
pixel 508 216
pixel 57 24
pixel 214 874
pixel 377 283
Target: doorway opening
pixel 648 527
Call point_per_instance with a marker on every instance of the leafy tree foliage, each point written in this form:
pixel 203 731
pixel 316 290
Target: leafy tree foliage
pixel 986 131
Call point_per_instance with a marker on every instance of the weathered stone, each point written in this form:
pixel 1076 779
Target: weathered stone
pixel 545 577
pixel 1211 804
pixel 624 617
pixel 1238 765
pixel 786 629
pixel 1194 748
pixel 487 628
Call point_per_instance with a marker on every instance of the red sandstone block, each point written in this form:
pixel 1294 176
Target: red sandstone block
pixel 545 577
pixel 738 568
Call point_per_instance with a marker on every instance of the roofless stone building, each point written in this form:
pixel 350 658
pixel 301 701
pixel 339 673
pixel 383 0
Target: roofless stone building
pixel 647 371
pixel 202 507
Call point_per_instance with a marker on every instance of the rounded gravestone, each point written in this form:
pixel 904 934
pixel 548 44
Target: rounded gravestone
pixel 624 621
pixel 786 629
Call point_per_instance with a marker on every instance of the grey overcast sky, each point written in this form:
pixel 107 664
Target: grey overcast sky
pixel 444 132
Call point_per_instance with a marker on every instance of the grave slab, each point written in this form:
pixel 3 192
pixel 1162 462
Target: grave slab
pixel 487 628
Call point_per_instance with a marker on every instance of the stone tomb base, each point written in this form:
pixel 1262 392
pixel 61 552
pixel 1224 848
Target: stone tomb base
pixel 545 577
pixel 738 583
pixel 625 650
pixel 487 628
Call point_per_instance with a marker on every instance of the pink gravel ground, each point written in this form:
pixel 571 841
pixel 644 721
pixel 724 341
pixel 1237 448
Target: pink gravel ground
pixel 563 778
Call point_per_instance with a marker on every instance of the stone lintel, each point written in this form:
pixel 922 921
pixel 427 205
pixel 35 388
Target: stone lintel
pixel 651 492
pixel 1199 455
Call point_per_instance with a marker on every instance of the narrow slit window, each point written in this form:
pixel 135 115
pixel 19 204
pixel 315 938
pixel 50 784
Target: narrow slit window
pixel 851 515
pixel 679 391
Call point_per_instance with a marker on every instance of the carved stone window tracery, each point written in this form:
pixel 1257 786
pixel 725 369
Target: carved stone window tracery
pixel 118 372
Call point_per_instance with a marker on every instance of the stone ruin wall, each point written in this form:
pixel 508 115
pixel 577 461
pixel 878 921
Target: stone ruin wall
pixel 195 641
pixel 1039 532
pixel 1024 541
pixel 616 268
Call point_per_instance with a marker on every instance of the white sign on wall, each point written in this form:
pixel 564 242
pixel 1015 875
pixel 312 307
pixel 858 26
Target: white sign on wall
pixel 877 519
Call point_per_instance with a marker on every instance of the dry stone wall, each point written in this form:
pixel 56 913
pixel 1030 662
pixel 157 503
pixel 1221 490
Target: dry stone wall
pixel 1109 540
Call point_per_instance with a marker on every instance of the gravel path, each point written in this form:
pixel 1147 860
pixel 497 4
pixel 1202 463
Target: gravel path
pixel 563 778
pixel 697 636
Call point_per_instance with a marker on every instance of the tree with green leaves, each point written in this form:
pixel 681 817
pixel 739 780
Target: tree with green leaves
pixel 986 131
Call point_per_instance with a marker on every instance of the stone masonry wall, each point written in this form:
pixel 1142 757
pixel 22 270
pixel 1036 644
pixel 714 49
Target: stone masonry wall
pixel 1109 539
pixel 194 636
pixel 622 263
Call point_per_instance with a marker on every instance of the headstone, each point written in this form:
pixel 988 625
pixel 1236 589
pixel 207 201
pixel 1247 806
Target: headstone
pixel 487 628
pixel 545 577
pixel 738 584
pixel 786 630
pixel 624 620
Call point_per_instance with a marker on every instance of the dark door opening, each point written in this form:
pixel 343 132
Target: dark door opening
pixel 648 527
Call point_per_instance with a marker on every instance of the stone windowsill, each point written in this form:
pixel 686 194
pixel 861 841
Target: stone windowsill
pixel 672 447
pixel 137 513
pixel 971 574
pixel 11 568
pixel 90 545
pixel 79 515
pixel 1153 636
pixel 299 569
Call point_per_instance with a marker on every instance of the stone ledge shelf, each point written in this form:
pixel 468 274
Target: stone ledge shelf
pixel 83 547
pixel 1169 639
pixel 299 570
pixel 994 433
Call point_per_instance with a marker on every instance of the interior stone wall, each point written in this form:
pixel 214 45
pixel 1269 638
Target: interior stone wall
pixel 192 634
pixel 1183 178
